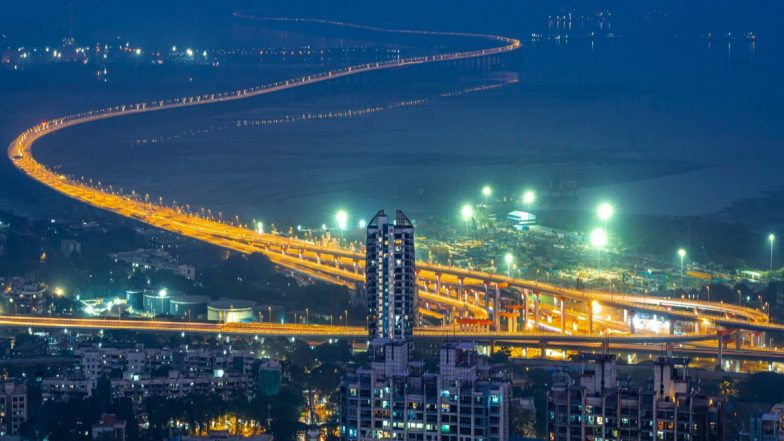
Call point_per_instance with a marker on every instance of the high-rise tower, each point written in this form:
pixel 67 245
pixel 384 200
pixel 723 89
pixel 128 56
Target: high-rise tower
pixel 390 277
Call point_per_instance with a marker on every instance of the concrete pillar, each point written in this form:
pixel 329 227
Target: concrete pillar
pixel 536 311
pixel 438 284
pixel 497 307
pixel 738 339
pixel 356 268
pixel 720 349
pixel 590 317
pixel 525 310
pixel 337 261
pixel 563 316
pixel 631 321
pixel 672 326
pixel 461 294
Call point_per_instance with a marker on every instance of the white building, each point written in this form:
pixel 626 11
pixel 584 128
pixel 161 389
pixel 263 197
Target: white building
pixel 390 277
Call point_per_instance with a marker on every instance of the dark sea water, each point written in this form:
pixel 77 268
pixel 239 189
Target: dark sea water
pixel 659 120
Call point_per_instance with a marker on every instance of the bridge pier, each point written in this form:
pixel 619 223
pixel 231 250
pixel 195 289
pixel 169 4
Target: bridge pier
pixel 738 339
pixel 590 317
pixel 438 284
pixel 497 307
pixel 525 309
pixel 563 315
pixel 631 319
pixel 536 311
pixel 461 290
pixel 720 349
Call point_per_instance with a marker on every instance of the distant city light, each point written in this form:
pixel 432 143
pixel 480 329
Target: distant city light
pixel 508 258
pixel 342 219
pixel 174 48
pixel 138 51
pixel 362 223
pixel 58 291
pixel 189 52
pixel 771 237
pixel 605 211
pixel 598 238
pixel 324 227
pixel 529 197
pixel 487 191
pixel 260 227
pixel 163 292
pixel 467 212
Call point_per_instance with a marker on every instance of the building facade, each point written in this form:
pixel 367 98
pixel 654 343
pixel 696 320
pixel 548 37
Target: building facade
pixel 390 277
pixel 597 406
pixel 396 399
pixel 13 408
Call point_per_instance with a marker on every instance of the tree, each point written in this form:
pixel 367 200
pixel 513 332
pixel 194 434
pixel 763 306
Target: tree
pixel 522 422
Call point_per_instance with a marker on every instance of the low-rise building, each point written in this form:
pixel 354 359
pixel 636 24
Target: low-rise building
pixel 767 426
pixel 110 428
pixel 155 259
pixel 139 372
pixel 269 378
pixel 597 405
pixel 13 407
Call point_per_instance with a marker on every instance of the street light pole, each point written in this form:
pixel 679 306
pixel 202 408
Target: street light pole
pixel 681 254
pixel 508 258
pixel 771 238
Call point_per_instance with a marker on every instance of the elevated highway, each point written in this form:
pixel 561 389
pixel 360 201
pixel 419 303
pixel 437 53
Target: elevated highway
pixel 634 343
pixel 470 293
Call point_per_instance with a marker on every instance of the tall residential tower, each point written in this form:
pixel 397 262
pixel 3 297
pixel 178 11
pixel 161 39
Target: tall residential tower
pixel 390 277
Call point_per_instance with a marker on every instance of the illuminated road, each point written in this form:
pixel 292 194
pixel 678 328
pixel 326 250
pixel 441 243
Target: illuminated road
pixel 639 343
pixel 320 331
pixel 467 293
